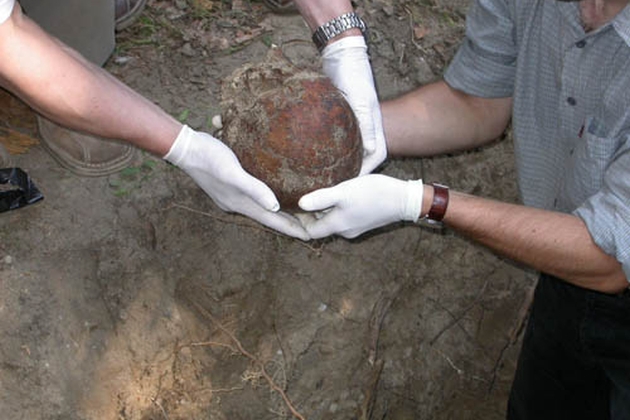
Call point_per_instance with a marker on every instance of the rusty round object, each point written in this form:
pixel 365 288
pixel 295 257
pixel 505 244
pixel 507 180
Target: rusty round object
pixel 290 128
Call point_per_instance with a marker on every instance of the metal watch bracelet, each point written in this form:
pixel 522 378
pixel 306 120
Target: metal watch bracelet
pixel 336 27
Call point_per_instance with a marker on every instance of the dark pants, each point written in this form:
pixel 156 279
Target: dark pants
pixel 575 359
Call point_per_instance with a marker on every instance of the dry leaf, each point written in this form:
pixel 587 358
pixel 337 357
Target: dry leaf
pixel 15 142
pixel 15 113
pixel 203 4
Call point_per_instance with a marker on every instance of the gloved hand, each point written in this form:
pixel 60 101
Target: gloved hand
pixel 347 65
pixel 361 204
pixel 216 169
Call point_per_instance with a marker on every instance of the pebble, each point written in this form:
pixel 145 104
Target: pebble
pixel 122 60
pixel 388 10
pixel 217 122
pixel 188 50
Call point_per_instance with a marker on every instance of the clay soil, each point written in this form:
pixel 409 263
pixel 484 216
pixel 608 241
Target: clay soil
pixel 133 297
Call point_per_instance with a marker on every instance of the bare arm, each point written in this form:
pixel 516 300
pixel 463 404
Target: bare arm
pixel 437 119
pixel 318 12
pixel 60 84
pixel 552 242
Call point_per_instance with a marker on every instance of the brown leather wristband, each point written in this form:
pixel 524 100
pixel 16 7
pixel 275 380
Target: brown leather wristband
pixel 439 204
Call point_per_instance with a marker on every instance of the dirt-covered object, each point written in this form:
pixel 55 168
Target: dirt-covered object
pixel 290 127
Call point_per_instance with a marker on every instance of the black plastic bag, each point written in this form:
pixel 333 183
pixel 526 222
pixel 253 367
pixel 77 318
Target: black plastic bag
pixel 20 191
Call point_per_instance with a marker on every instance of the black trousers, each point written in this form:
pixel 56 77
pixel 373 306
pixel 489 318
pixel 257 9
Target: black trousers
pixel 575 359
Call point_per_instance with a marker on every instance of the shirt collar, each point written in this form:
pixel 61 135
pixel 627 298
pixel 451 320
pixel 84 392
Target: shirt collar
pixel 571 14
pixel 621 22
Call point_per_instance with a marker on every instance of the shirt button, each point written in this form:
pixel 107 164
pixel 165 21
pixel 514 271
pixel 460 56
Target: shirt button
pixel 580 44
pixel 571 101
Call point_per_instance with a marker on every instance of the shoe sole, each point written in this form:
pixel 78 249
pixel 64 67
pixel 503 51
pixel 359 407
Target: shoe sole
pixel 81 168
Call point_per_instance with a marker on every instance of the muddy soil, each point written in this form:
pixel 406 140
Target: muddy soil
pixel 133 297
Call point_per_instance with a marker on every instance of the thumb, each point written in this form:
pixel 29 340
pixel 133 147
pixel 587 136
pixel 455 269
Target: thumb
pixel 257 191
pixel 368 132
pixel 321 199
pixel 372 161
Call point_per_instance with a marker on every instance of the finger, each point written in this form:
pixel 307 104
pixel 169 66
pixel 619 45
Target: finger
pixel 306 218
pixel 321 199
pixel 367 166
pixel 371 162
pixel 368 134
pixel 283 223
pixel 257 190
pixel 320 214
pixel 325 226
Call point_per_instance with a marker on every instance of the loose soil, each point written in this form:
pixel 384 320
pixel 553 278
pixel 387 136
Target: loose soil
pixel 133 296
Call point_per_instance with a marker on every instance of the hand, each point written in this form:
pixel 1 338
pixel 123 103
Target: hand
pixel 361 204
pixel 347 65
pixel 216 169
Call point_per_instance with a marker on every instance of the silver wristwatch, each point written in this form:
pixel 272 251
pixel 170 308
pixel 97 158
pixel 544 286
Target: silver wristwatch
pixel 335 27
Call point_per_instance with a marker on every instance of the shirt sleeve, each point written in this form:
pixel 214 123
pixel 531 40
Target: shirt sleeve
pixel 6 7
pixel 485 64
pixel 607 213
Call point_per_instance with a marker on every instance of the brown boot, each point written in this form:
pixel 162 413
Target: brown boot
pixel 281 6
pixel 83 154
pixel 127 11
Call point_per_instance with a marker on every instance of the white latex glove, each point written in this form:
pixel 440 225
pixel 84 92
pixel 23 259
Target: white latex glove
pixel 347 65
pixel 216 169
pixel 361 204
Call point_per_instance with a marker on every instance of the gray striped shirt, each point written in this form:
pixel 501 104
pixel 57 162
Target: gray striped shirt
pixel 571 115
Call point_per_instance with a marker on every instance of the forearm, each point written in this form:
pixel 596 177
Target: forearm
pixel 318 12
pixel 63 86
pixel 436 119
pixel 555 243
